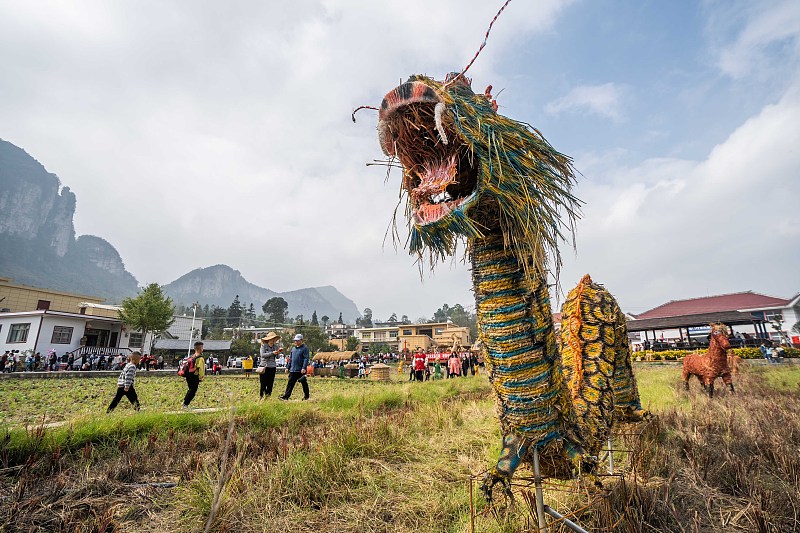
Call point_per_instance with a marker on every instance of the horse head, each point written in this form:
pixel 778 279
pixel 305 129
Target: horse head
pixel 719 337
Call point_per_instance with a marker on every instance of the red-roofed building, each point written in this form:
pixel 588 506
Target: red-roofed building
pixel 740 301
pixel 764 310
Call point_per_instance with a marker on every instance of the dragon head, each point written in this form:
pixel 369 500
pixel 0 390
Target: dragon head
pixel 470 172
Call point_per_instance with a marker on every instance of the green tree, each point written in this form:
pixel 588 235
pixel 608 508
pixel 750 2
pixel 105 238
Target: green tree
pixel 243 346
pixel 405 320
pixel 393 318
pixel 275 309
pixel 313 337
pixel 366 320
pixel 340 321
pixel 150 311
pixel 235 313
pixel 352 343
pixel 325 319
pixel 314 321
pixel 299 320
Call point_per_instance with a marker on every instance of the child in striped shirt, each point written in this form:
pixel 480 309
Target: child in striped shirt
pixel 125 383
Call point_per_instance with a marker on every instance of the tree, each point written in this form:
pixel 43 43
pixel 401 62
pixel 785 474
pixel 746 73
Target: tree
pixel 352 343
pixel 393 318
pixel 325 319
pixel 250 315
pixel 442 314
pixel 340 321
pixel 235 312
pixel 149 311
pixel 275 309
pixel 314 321
pixel 366 320
pixel 405 320
pixel 299 320
pixel 243 346
pixel 796 327
pixel 313 337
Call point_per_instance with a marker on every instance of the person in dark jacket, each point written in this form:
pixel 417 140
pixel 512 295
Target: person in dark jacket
pixel 298 362
pixel 266 361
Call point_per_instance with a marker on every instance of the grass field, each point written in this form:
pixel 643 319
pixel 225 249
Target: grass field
pixel 366 456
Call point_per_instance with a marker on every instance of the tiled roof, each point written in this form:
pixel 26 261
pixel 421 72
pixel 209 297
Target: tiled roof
pixel 714 304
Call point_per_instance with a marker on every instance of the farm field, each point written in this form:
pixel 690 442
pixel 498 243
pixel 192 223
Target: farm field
pixel 366 456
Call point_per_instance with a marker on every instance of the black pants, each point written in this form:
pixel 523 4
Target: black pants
pixel 192 381
pixel 266 380
pixel 131 394
pixel 419 375
pixel 294 377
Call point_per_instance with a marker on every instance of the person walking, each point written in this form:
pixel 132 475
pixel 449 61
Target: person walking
pixel 195 375
pixel 125 383
pixel 270 348
pixel 298 362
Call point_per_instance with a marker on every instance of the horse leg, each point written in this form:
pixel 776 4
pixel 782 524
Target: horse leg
pixel 711 390
pixel 726 378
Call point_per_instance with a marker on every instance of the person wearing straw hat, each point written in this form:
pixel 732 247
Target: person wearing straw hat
pixel 270 348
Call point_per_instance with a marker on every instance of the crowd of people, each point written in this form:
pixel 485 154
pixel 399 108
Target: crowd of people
pixel 13 361
pixel 435 365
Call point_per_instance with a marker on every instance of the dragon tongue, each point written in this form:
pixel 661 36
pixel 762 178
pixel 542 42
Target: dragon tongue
pixel 435 179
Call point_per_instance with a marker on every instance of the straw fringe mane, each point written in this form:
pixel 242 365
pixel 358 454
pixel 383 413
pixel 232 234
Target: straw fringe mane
pixel 524 186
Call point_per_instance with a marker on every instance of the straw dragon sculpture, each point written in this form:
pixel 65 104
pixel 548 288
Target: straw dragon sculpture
pixel 471 173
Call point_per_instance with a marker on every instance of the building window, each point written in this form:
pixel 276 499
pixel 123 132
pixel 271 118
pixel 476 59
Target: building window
pixel 43 305
pixel 380 336
pixel 439 331
pixel 61 335
pixel 392 334
pixel 18 332
pixel 771 316
pixel 366 334
pixel 135 340
pixel 407 332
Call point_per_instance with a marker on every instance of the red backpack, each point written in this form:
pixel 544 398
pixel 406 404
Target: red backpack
pixel 187 366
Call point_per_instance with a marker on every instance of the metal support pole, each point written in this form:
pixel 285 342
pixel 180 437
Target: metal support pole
pixel 610 457
pixel 537 480
pixel 191 330
pixel 567 522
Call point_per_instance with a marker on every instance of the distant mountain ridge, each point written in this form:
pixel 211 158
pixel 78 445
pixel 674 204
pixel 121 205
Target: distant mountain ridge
pixel 37 235
pixel 219 284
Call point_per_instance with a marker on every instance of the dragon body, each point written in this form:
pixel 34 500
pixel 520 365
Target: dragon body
pixel 473 175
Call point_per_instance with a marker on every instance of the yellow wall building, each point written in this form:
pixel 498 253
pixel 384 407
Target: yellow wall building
pixel 18 298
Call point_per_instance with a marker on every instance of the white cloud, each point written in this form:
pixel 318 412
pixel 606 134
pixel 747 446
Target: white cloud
pixel 602 100
pixel 689 228
pixel 768 24
pixel 193 134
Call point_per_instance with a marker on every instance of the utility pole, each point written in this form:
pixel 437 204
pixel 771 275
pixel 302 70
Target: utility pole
pixel 191 330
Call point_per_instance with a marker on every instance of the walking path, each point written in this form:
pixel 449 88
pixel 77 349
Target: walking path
pixel 51 425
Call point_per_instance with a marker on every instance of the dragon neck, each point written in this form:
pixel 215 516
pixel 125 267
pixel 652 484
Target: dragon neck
pixel 516 329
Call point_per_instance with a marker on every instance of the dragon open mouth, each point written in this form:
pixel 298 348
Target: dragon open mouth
pixel 439 175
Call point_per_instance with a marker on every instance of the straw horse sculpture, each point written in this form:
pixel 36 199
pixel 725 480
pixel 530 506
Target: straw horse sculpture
pixel 472 174
pixel 710 365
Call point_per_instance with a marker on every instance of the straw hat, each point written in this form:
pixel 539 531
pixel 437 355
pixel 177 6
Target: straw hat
pixel 271 335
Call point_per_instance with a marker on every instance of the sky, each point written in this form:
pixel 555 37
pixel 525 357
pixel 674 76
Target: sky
pixel 195 133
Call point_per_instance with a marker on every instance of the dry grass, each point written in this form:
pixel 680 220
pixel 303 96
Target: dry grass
pixel 397 457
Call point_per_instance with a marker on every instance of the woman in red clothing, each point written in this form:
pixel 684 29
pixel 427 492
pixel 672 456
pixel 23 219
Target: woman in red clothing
pixel 420 359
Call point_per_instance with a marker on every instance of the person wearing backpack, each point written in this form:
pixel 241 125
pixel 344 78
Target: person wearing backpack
pixel 194 374
pixel 125 383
